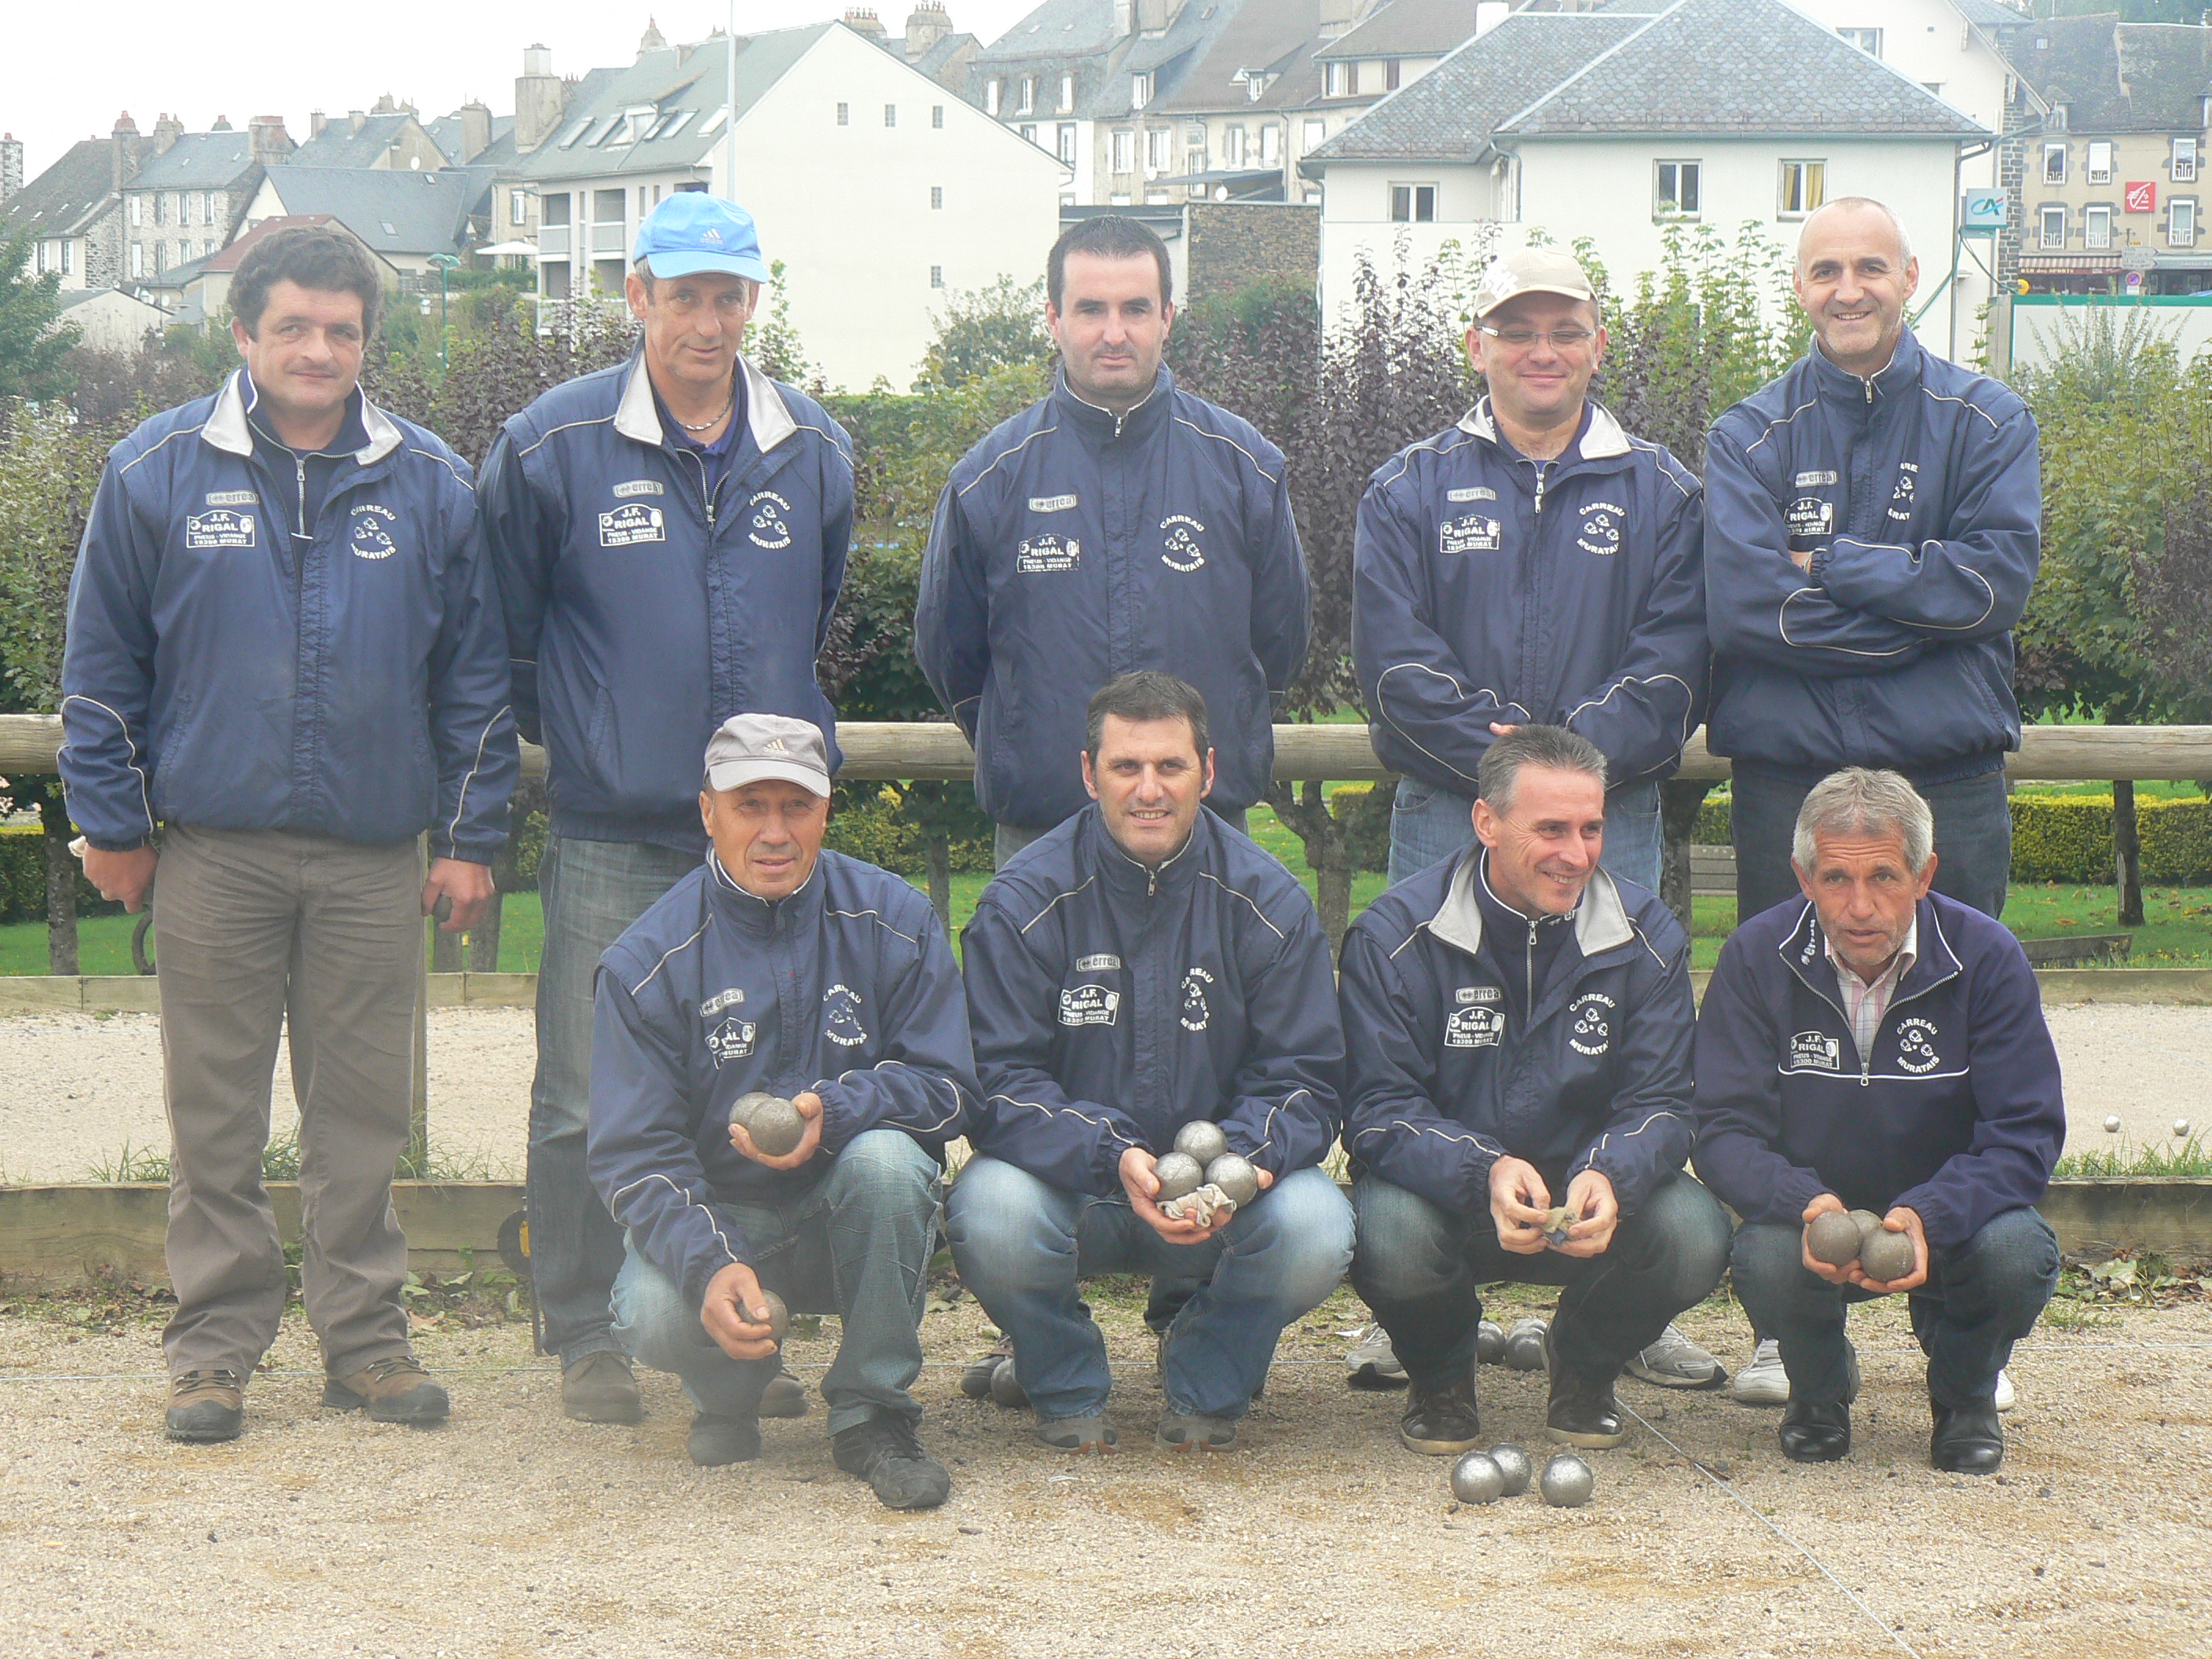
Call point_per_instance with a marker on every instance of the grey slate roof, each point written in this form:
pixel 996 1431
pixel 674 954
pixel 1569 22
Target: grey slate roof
pixel 1056 30
pixel 1991 15
pixel 337 145
pixel 1278 36
pixel 445 133
pixel 671 79
pixel 427 212
pixel 197 160
pixel 1407 28
pixel 65 199
pixel 1449 113
pixel 1077 37
pixel 2119 77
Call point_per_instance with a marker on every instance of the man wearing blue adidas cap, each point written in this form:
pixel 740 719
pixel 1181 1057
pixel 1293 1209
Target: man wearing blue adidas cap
pixel 668 537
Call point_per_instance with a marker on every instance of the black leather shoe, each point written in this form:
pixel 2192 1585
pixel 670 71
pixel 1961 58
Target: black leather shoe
pixel 1968 1442
pixel 1441 1422
pixel 1815 1430
pixel 1583 1411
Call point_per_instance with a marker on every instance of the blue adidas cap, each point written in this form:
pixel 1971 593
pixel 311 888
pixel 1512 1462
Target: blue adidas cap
pixel 691 231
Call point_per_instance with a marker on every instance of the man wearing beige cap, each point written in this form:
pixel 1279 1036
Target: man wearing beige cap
pixel 1532 565
pixel 778 968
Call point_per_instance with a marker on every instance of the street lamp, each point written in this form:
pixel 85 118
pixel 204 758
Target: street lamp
pixel 444 262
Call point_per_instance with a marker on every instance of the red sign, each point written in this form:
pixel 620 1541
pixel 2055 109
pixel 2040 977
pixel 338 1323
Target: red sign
pixel 2143 198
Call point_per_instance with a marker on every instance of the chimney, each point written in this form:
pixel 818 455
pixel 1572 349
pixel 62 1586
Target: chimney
pixel 166 131
pixel 11 165
pixel 862 20
pixel 1489 14
pixel 925 25
pixel 1151 16
pixel 222 124
pixel 538 96
pixel 1125 17
pixel 316 122
pixel 476 130
pixel 126 144
pixel 1337 17
pixel 653 39
pixel 269 141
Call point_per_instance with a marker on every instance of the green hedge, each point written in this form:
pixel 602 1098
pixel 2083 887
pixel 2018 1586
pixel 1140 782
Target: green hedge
pixel 870 822
pixel 23 878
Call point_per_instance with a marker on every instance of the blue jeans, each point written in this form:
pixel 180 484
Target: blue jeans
pixel 1024 1247
pixel 856 1243
pixel 1980 1298
pixel 1429 825
pixel 1420 1268
pixel 592 890
pixel 1974 837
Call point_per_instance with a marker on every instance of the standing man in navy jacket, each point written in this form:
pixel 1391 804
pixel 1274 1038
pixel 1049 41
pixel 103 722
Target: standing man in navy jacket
pixel 1518 1026
pixel 1534 563
pixel 285 651
pixel 1877 1046
pixel 781 967
pixel 669 538
pixel 1142 966
pixel 1120 524
pixel 1873 525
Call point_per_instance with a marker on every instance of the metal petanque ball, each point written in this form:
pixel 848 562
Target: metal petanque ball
pixel 1476 1479
pixel 779 1315
pixel 1867 1223
pixel 776 1127
pixel 1833 1237
pixel 1516 1466
pixel 1238 1181
pixel 1524 1346
pixel 742 1109
pixel 1568 1482
pixel 1203 1140
pixel 1887 1256
pixel 2113 1124
pixel 1178 1174
pixel 1490 1343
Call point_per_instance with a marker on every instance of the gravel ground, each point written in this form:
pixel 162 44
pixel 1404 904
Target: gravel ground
pixel 512 1532
pixel 83 1083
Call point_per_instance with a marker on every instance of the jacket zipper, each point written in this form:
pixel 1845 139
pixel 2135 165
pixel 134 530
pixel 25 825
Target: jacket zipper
pixel 1866 1056
pixel 1543 476
pixel 300 468
pixel 706 496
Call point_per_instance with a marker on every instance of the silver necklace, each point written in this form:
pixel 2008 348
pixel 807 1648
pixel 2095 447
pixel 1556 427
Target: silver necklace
pixel 714 419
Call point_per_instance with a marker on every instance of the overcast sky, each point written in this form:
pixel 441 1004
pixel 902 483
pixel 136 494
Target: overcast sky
pixel 68 70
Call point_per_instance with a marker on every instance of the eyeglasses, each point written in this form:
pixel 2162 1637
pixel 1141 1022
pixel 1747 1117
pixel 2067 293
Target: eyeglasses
pixel 1562 339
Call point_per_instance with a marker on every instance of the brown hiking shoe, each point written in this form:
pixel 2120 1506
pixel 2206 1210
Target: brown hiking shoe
pixel 206 1406
pixel 394 1389
pixel 600 1388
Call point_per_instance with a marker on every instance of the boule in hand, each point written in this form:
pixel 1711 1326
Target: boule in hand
pixel 1516 1466
pixel 779 1314
pixel 1238 1181
pixel 1202 1139
pixel 743 1107
pixel 1476 1479
pixel 1867 1223
pixel 1178 1174
pixel 1568 1482
pixel 1886 1257
pixel 776 1128
pixel 1832 1238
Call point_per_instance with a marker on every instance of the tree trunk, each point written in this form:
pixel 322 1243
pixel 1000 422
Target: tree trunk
pixel 483 938
pixel 1304 812
pixel 2127 854
pixel 937 849
pixel 62 869
pixel 1679 799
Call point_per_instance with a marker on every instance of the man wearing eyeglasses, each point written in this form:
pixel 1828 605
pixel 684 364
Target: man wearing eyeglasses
pixel 1532 565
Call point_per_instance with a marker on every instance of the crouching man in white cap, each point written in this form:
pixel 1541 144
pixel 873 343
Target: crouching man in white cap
pixel 778 968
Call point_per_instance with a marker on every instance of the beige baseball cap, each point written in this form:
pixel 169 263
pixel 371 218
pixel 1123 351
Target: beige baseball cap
pixel 1531 270
pixel 750 747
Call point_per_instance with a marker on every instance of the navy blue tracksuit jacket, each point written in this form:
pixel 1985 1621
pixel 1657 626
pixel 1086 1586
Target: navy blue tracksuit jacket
pixel 846 987
pixel 1488 587
pixel 1919 493
pixel 1956 1112
pixel 1113 1004
pixel 1072 545
pixel 1472 1033
pixel 232 665
pixel 644 609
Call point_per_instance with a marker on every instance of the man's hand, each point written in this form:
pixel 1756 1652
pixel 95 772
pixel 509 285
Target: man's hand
pixel 810 1140
pixel 1802 558
pixel 735 1314
pixel 1518 1200
pixel 1899 1220
pixel 1497 730
pixel 468 885
pixel 1821 1206
pixel 1590 1195
pixel 126 876
pixel 1143 1187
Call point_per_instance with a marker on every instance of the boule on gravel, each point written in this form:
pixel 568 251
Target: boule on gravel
pixel 1516 1465
pixel 1476 1479
pixel 1567 1482
pixel 1238 1181
pixel 1490 1343
pixel 743 1107
pixel 1203 1141
pixel 1178 1174
pixel 1887 1256
pixel 1833 1237
pixel 776 1127
pixel 1524 1346
pixel 1006 1389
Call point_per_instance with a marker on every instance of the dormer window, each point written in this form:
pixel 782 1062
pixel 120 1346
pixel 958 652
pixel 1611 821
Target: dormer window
pixel 1140 90
pixel 1067 94
pixel 1027 104
pixel 2057 121
pixel 1341 79
pixel 991 96
pixel 1254 84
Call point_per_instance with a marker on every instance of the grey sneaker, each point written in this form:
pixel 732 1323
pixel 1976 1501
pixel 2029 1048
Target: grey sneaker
pixel 1373 1363
pixel 1675 1362
pixel 785 1396
pixel 1083 1435
pixel 1179 1433
pixel 1764 1383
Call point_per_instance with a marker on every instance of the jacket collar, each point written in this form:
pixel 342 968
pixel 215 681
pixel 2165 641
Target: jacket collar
pixel 1102 426
pixel 1804 951
pixel 1120 873
pixel 1603 438
pixel 1902 371
pixel 754 914
pixel 227 430
pixel 767 416
pixel 1601 920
